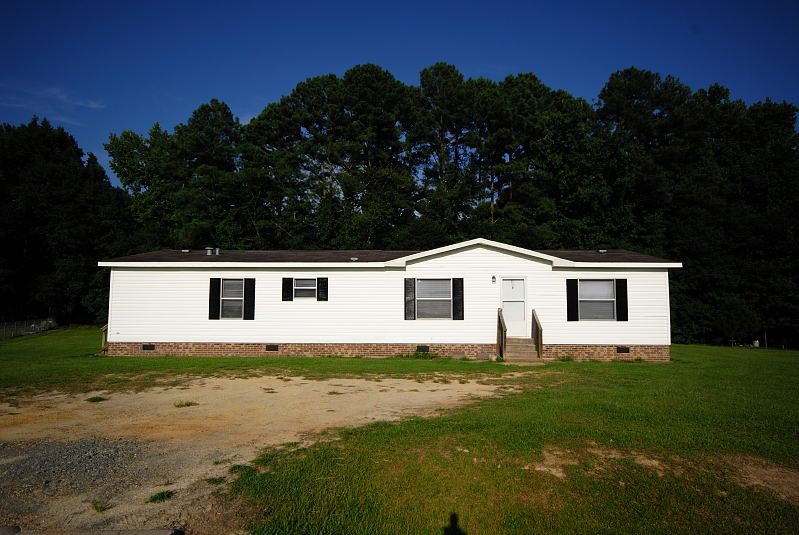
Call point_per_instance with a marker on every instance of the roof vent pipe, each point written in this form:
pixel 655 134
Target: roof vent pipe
pixel 209 251
pixel 216 251
pixel 602 251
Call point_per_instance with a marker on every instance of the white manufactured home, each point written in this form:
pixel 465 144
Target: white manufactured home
pixel 477 298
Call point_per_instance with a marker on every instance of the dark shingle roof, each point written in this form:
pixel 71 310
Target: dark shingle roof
pixel 610 255
pixel 175 255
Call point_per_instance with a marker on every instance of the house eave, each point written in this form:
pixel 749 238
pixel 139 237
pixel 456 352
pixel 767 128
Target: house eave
pixel 625 265
pixel 247 265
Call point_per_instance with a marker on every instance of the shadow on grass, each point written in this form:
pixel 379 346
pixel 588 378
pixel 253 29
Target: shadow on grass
pixel 453 528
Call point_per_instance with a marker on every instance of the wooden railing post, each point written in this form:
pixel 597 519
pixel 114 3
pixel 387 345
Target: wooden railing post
pixel 502 335
pixel 537 334
pixel 103 337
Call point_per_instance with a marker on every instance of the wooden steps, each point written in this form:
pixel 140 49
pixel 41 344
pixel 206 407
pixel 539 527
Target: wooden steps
pixel 520 349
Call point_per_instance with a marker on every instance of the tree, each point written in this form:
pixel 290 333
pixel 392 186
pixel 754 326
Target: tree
pixel 59 215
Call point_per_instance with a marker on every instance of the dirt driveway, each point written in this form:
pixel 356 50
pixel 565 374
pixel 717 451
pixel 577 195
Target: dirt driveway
pixel 62 458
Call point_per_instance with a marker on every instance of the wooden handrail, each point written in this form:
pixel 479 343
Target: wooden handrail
pixel 502 335
pixel 104 337
pixel 537 334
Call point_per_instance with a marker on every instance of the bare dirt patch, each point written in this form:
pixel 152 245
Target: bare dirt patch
pixel 557 459
pixel 554 462
pixel 59 453
pixel 752 471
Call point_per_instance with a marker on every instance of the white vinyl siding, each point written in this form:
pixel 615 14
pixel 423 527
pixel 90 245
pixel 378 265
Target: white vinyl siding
pixel 369 305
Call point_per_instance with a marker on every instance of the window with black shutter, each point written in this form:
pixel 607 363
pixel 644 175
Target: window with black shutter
pixel 596 299
pixel 231 299
pixel 434 299
pixel 305 288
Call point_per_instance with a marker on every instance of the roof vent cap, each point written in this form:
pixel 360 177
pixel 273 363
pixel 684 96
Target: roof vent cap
pixel 209 251
pixel 353 258
pixel 602 251
pixel 185 250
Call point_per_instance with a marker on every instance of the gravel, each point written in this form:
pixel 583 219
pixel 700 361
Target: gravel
pixel 31 472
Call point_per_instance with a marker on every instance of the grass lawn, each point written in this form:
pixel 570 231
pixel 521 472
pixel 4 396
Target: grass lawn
pixel 642 448
pixel 590 447
pixel 66 360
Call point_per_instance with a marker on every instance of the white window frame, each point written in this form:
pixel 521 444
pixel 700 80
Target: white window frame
pixel 417 298
pixel 580 299
pixel 315 288
pixel 222 298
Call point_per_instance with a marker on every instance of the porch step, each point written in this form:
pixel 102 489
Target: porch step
pixel 524 362
pixel 520 348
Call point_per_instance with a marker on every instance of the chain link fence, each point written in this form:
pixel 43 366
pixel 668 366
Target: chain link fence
pixel 9 329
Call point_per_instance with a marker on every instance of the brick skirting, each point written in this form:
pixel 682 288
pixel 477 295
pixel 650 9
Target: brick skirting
pixel 606 352
pixel 211 349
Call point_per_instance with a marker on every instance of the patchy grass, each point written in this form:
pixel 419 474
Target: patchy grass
pixel 96 399
pixel 101 506
pixel 215 480
pixel 584 447
pixel 159 497
pixel 181 404
pixel 66 360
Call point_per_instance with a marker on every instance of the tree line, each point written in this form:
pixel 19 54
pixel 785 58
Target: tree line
pixel 365 161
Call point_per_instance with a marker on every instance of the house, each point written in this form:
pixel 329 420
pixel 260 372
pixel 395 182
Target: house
pixel 477 298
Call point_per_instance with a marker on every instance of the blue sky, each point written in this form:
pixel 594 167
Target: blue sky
pixel 101 67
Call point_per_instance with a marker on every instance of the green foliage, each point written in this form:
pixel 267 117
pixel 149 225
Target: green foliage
pixel 365 161
pixel 96 399
pixel 59 215
pixel 184 403
pixel 159 497
pixel 101 505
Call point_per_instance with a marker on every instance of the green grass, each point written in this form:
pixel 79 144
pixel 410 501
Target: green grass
pixel 693 416
pixel 65 360
pixel 96 399
pixel 101 505
pixel 181 404
pixel 159 497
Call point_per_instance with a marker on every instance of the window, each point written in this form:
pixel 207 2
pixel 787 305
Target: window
pixel 232 298
pixel 434 298
pixel 305 288
pixel 597 299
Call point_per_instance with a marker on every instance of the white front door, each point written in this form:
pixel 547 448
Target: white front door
pixel 514 306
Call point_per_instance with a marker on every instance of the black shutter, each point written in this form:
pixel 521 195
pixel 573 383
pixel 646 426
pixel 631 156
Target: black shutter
pixel 249 299
pixel 321 289
pixel 457 299
pixel 288 289
pixel 213 299
pixel 621 299
pixel 410 299
pixel 572 304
